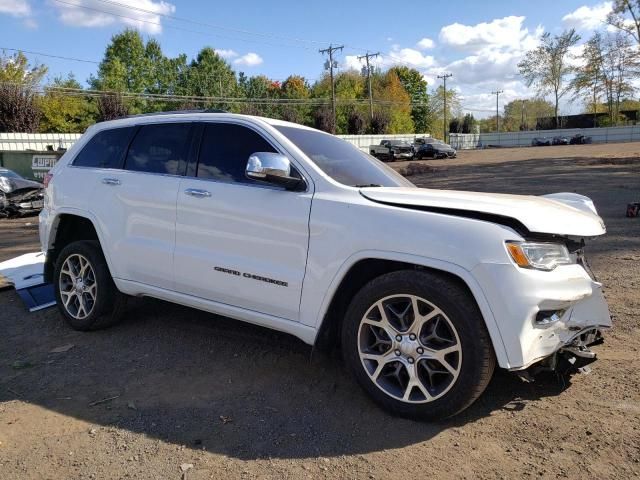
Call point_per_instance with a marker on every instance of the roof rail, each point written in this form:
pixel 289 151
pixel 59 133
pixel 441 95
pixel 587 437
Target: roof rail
pixel 175 112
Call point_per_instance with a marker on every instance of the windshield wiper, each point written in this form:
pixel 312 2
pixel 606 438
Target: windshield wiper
pixel 367 185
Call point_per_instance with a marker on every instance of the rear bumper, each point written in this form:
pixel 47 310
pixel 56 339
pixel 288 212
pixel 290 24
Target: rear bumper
pixel 540 313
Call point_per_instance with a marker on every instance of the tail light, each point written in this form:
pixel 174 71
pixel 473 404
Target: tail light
pixel 47 179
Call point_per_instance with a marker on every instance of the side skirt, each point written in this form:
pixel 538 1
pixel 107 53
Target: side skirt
pixel 303 332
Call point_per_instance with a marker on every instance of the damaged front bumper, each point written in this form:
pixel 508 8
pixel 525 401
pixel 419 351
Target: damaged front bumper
pixel 545 316
pixel 21 202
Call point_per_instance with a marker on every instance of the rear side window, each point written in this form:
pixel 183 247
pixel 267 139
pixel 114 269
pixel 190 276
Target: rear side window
pixel 225 150
pixel 159 148
pixel 105 149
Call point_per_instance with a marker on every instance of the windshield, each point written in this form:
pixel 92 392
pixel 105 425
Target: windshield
pixel 341 160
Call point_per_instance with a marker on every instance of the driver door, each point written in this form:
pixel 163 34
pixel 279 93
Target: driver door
pixel 240 242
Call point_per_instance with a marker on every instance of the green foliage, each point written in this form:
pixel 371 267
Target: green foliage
pixel 522 114
pixel 416 86
pixel 16 69
pixel 19 108
pixel 547 66
pixel 436 108
pixel 63 113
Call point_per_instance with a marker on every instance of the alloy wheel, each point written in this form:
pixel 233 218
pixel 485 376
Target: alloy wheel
pixel 78 286
pixel 409 348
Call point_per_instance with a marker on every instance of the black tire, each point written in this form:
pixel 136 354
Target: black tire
pixel 478 358
pixel 109 303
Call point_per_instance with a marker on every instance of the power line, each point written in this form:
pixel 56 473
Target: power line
pixel 395 60
pixel 210 25
pixel 138 19
pixel 49 55
pixel 367 56
pixel 331 66
pixel 444 77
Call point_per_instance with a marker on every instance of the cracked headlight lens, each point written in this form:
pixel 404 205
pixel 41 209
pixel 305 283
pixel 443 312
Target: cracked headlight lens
pixel 541 256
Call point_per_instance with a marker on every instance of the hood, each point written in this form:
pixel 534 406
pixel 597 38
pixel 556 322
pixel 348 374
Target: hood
pixel 8 185
pixel 557 214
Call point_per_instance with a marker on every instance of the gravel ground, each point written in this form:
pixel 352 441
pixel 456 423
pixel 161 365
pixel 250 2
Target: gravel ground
pixel 174 389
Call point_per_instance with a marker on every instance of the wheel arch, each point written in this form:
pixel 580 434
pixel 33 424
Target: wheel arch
pixel 67 227
pixel 360 270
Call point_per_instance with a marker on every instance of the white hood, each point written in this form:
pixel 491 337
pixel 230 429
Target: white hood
pixel 559 214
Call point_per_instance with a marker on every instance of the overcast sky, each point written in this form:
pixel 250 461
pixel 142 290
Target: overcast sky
pixel 480 43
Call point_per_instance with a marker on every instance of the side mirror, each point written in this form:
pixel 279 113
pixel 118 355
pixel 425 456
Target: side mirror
pixel 273 168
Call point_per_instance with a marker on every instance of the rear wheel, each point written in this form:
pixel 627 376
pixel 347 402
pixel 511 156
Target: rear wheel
pixel 86 295
pixel 417 343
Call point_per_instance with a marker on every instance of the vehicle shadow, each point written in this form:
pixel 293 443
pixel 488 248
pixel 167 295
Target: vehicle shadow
pixel 207 382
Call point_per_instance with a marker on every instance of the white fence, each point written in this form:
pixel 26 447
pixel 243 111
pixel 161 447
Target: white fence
pixel 20 142
pixel 464 141
pixel 363 141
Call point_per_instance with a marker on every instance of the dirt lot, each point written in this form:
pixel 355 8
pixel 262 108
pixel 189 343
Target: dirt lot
pixel 173 386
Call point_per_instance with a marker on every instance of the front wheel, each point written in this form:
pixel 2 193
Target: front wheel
pixel 86 295
pixel 417 343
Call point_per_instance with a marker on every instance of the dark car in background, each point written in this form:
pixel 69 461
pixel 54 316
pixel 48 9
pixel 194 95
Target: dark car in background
pixel 540 142
pixel 579 139
pixel 560 140
pixel 19 196
pixel 391 150
pixel 428 147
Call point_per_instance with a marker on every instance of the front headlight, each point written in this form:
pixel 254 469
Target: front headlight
pixel 541 256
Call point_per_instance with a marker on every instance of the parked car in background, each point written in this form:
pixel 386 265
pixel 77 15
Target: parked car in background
pixel 425 291
pixel 432 148
pixel 579 139
pixel 560 140
pixel 19 196
pixel 391 150
pixel 540 142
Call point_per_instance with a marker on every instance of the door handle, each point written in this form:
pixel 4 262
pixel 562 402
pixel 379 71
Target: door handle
pixel 111 181
pixel 196 192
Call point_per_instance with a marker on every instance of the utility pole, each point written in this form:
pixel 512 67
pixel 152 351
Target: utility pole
pixel 497 94
pixel 367 56
pixel 522 125
pixel 330 65
pixel 444 77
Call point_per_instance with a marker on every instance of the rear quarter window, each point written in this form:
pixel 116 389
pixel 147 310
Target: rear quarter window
pixel 159 148
pixel 105 149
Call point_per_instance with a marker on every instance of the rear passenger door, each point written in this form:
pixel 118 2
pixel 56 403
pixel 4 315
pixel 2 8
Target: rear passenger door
pixel 135 204
pixel 238 241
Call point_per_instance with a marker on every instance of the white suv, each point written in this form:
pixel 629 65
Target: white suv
pixel 291 228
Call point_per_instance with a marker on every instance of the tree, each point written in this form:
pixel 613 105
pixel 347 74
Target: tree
pixel 469 124
pixel 19 109
pixel 111 107
pixel 625 16
pixel 16 69
pixel 589 79
pixel 436 107
pixel 209 75
pixel 620 66
pixel 522 114
pixel 356 123
pixel 64 112
pixel 295 87
pixel 388 88
pixel 380 122
pixel 124 67
pixel 416 86
pixel 547 66
pixel 323 119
